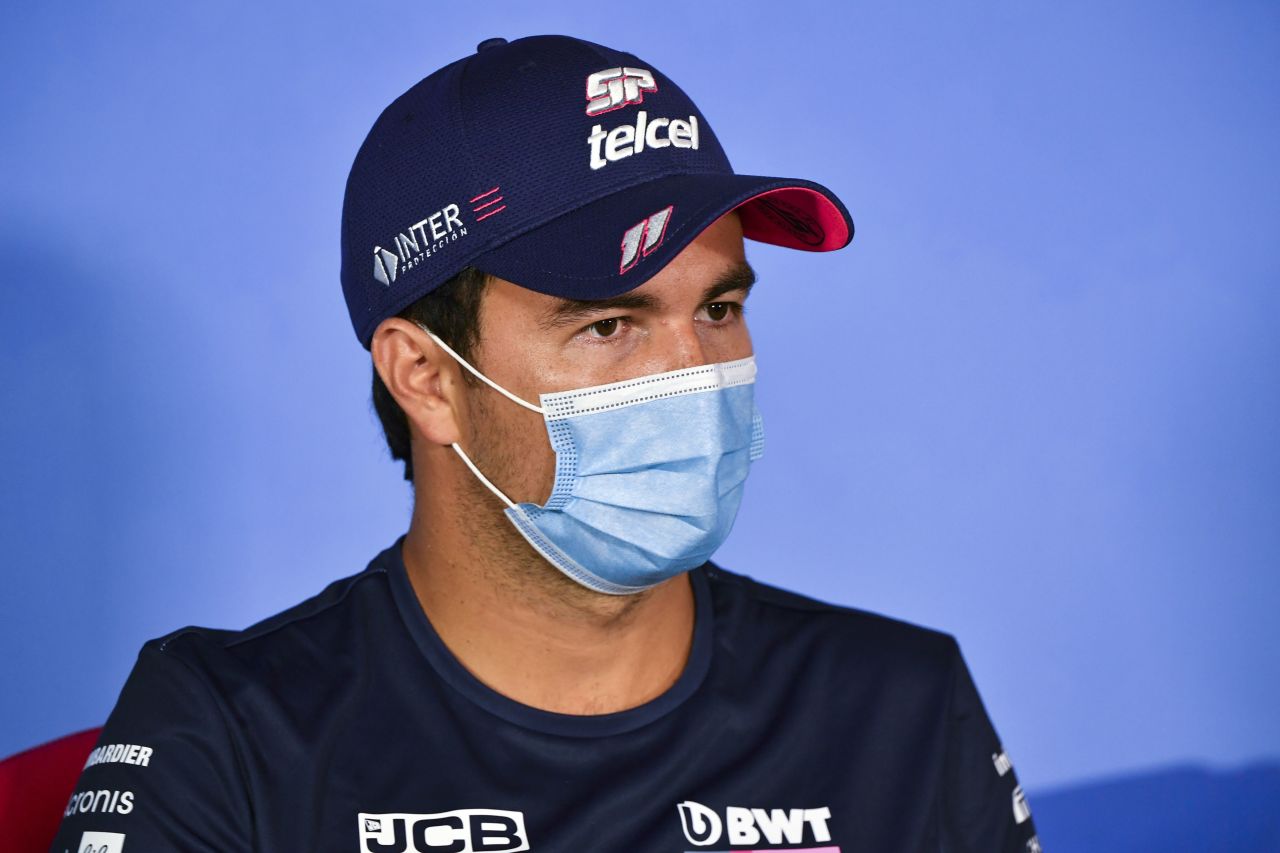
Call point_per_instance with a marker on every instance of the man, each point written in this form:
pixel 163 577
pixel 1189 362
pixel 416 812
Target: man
pixel 543 253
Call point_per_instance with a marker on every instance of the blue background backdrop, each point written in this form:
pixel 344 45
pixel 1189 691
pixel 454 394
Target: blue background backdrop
pixel 1034 404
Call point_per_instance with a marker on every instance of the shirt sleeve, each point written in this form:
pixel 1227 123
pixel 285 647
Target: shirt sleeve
pixel 984 809
pixel 164 775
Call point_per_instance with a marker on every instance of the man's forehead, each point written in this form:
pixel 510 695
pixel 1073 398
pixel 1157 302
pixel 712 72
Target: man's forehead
pixel 739 276
pixel 712 265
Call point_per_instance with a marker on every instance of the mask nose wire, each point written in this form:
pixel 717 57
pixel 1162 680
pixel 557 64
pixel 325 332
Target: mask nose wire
pixel 495 386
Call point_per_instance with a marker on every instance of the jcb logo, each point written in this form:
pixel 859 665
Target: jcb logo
pixel 460 831
pixel 614 88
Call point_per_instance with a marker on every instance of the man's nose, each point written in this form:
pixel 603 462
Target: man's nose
pixel 685 345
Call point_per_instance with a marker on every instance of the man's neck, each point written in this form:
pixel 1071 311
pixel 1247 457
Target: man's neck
pixel 534 635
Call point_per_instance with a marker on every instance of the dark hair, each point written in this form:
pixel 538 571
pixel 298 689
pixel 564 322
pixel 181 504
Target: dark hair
pixel 452 311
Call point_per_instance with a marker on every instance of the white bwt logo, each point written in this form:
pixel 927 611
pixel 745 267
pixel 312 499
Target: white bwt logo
pixel 703 826
pixel 643 237
pixel 616 87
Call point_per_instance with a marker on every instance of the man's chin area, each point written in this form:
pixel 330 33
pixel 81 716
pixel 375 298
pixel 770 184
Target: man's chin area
pixel 588 604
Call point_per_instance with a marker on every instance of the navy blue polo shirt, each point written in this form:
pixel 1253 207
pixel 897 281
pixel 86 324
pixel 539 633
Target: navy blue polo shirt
pixel 345 724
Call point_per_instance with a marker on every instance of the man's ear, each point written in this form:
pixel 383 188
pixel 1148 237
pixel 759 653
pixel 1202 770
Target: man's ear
pixel 424 379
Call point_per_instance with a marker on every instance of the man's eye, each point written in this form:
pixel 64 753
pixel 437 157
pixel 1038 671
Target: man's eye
pixel 604 328
pixel 718 311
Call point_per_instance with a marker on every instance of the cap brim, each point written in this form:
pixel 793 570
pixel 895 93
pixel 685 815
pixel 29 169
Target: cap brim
pixel 602 248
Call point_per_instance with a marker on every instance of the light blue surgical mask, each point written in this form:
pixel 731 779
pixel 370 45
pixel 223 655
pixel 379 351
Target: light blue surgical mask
pixel 649 472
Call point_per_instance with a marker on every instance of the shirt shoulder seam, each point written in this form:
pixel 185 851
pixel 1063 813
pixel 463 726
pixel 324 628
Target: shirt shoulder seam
pixel 215 700
pixel 263 628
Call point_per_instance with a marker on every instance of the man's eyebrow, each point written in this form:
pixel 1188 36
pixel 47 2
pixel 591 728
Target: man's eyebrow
pixel 738 277
pixel 568 312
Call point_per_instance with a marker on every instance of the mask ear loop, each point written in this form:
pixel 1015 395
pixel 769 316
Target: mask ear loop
pixel 495 386
pixel 481 477
pixel 478 375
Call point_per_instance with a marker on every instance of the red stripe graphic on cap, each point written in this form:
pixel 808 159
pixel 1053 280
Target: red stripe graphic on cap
pixel 476 208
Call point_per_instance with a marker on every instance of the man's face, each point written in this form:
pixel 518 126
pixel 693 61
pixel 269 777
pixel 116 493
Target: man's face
pixel 688 314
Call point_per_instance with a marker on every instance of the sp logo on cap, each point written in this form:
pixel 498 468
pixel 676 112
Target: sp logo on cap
pixel 614 88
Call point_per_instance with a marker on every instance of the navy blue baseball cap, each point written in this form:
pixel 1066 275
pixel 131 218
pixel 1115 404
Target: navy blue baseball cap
pixel 560 165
